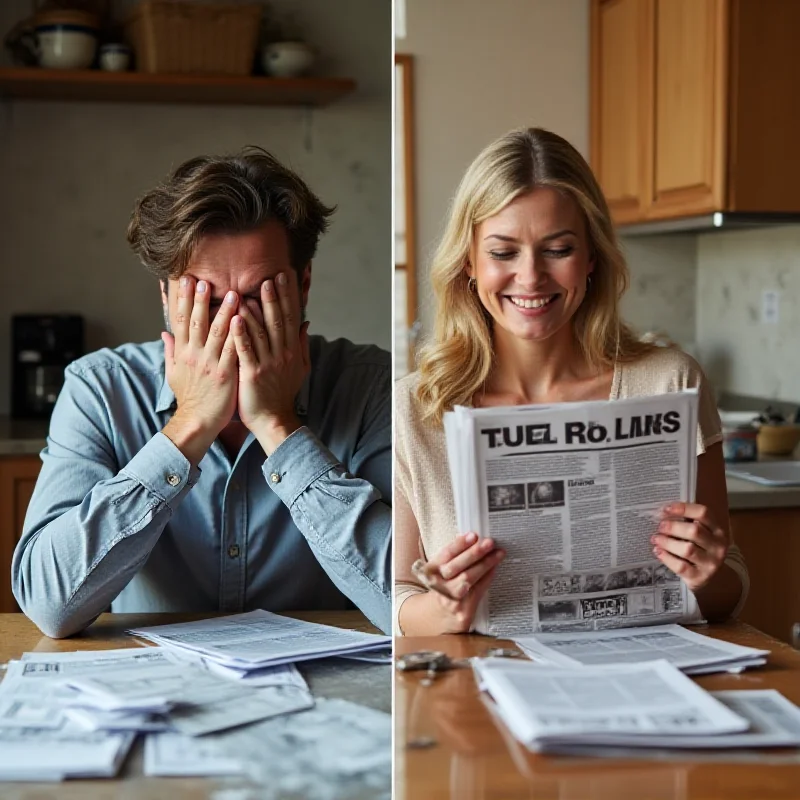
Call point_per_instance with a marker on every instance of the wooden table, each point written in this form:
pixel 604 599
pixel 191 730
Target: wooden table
pixel 475 759
pixel 19 635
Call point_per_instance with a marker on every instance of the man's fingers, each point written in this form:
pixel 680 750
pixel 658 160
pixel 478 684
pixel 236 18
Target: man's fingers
pixel 228 356
pixel 220 327
pixel 288 297
pixel 273 318
pixel 198 320
pixel 256 332
pixel 183 310
pixel 244 347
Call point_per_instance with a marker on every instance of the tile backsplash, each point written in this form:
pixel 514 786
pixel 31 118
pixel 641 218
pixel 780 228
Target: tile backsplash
pixel 741 354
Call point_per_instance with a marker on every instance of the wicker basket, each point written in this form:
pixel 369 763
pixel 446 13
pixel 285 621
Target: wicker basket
pixel 181 36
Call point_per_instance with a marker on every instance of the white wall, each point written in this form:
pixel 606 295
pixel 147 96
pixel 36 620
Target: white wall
pixel 742 354
pixel 70 172
pixel 483 68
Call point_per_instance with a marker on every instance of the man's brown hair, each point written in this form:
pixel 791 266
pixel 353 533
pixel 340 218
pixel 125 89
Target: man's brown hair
pixel 224 194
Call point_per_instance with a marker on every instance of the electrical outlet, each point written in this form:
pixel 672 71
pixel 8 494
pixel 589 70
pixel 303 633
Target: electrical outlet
pixel 770 301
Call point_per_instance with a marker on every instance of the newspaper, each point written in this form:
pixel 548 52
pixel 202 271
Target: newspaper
pixel 573 492
pixel 626 703
pixel 774 722
pixel 690 652
pixel 173 754
pixel 260 638
pixel 44 754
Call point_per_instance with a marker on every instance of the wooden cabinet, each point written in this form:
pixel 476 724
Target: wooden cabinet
pixel 621 95
pixel 693 106
pixel 770 543
pixel 17 478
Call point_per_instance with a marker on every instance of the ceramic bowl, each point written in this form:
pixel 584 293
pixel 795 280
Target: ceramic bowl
pixel 115 57
pixel 287 59
pixel 62 46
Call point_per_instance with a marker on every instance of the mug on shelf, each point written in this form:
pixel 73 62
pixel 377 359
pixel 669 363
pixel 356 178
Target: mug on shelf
pixel 115 57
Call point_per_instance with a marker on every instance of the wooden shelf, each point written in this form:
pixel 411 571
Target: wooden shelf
pixel 139 87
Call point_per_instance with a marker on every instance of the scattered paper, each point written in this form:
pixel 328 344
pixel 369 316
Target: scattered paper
pixel 690 652
pixel 260 639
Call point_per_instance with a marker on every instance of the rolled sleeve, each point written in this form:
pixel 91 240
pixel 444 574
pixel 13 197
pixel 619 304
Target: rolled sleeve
pixel 162 469
pixel 299 461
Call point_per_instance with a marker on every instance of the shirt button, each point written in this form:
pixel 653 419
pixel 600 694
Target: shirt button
pixel 235 486
pixel 173 479
pixel 275 478
pixel 233 551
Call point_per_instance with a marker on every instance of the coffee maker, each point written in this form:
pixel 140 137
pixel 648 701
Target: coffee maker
pixel 41 347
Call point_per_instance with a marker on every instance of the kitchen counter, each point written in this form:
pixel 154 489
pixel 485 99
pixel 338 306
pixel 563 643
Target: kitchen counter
pixel 744 495
pixel 22 437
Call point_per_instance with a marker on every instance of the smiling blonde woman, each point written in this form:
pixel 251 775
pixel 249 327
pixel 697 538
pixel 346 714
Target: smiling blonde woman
pixel 527 281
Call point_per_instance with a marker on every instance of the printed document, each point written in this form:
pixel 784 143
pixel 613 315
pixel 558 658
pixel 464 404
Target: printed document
pixel 690 652
pixel 573 492
pixel 603 705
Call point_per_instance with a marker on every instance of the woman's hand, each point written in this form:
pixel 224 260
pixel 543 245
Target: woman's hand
pixel 691 543
pixel 458 577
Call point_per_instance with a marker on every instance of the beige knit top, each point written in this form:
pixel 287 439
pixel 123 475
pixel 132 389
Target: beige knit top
pixel 423 492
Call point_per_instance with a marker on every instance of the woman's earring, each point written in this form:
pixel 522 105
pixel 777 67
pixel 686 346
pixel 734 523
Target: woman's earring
pixel 472 284
pixel 588 281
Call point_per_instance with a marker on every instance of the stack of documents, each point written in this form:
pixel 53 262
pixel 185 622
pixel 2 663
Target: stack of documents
pixel 241 644
pixel 573 492
pixel 193 701
pixel 690 652
pixel 639 705
pixel 75 715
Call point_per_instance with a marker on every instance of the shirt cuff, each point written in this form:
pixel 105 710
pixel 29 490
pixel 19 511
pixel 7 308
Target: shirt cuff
pixel 162 469
pixel 298 461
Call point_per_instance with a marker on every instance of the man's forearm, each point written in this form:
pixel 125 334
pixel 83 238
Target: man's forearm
pixel 68 568
pixel 344 519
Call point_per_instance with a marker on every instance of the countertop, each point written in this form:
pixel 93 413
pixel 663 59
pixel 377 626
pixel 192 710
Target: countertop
pixel 744 495
pixel 27 437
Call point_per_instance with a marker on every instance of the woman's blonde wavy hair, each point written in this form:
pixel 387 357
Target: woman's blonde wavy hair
pixel 457 361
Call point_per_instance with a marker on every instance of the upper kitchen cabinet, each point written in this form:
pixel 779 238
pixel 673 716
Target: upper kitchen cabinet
pixel 692 106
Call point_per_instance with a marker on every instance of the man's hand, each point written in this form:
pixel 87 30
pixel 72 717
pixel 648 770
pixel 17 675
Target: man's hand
pixel 274 361
pixel 200 365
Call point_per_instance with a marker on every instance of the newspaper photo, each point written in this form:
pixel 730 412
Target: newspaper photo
pixel 573 492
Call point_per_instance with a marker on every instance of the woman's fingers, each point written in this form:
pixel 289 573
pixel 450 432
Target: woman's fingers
pixel 459 563
pixel 683 569
pixel 469 579
pixel 691 511
pixel 451 550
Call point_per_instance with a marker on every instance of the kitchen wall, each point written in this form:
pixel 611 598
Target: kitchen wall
pixel 70 172
pixel 482 69
pixel 742 354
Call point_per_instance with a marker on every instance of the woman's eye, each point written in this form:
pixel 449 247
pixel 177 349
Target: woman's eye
pixel 502 255
pixel 561 252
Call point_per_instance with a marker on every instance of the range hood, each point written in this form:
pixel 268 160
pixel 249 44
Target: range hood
pixel 704 223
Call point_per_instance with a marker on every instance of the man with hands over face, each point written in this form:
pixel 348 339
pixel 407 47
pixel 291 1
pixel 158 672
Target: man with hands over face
pixel 239 463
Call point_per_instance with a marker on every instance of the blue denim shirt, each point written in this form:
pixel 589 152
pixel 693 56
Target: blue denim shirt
pixel 120 518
